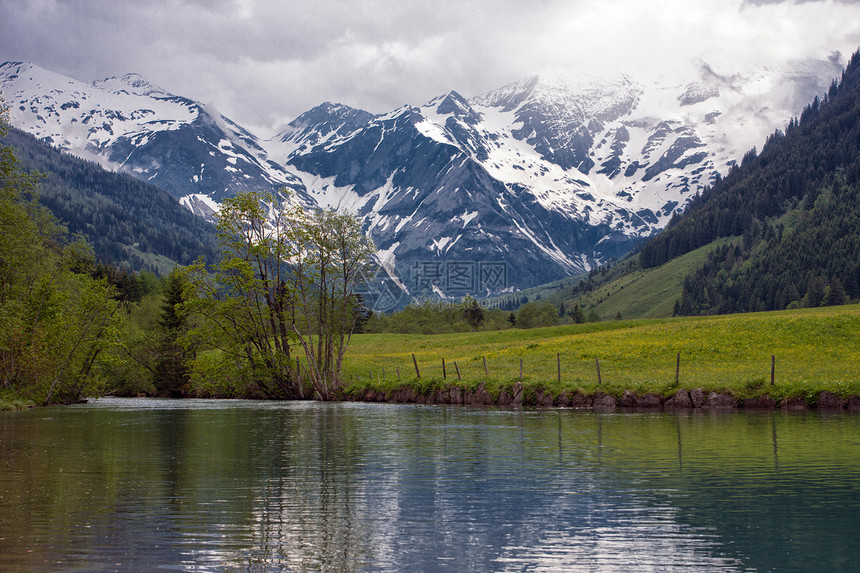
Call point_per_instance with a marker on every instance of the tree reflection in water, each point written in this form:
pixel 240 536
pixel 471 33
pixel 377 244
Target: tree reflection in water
pixel 272 486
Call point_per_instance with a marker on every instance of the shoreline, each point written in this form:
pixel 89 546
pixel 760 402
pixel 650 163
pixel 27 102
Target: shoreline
pixel 683 399
pixel 521 396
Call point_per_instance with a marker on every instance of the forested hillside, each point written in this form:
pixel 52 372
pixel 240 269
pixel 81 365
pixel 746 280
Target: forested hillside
pixel 795 210
pixel 128 223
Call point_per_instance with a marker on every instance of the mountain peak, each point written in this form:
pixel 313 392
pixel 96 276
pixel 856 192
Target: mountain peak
pixel 316 126
pixel 454 104
pixel 508 97
pixel 576 79
pixel 131 83
pixel 327 112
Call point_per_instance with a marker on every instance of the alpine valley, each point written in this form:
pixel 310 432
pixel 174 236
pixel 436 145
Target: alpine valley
pixel 544 178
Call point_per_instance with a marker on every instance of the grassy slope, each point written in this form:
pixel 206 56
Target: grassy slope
pixel 815 349
pixel 649 293
pixel 162 265
pixel 549 291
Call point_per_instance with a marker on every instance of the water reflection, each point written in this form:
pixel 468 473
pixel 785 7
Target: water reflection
pixel 141 485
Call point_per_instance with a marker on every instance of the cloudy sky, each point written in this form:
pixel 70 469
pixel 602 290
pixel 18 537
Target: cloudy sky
pixel 262 62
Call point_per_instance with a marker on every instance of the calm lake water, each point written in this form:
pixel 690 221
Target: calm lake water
pixel 152 485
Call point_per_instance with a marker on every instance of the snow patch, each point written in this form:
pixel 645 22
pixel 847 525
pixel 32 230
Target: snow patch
pixel 434 131
pixel 200 204
pixel 466 217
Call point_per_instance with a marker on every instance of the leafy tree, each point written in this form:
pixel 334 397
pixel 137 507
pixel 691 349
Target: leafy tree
pixel 331 256
pixel 537 314
pixel 287 278
pixel 247 310
pixel 131 368
pixel 55 318
pixel 438 317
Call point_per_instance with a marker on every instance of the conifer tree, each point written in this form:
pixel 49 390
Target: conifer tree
pixel 577 314
pixel 172 371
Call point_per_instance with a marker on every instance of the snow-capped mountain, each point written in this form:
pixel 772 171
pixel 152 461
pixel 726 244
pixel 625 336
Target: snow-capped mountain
pixel 315 127
pixel 455 206
pixel 128 124
pixel 548 176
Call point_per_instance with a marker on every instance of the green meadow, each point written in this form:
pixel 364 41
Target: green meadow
pixel 814 350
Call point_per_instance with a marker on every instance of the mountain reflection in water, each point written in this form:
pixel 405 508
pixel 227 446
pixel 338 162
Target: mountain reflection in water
pixel 147 484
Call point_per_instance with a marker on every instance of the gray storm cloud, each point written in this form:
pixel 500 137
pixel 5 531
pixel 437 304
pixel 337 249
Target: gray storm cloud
pixel 264 62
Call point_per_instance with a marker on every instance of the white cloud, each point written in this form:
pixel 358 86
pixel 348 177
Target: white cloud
pixel 263 62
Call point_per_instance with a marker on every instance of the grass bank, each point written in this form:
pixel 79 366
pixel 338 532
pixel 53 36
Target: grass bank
pixel 11 401
pixel 814 350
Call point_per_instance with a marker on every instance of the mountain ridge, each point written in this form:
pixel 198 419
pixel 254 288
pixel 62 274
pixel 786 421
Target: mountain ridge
pixel 127 124
pixel 551 175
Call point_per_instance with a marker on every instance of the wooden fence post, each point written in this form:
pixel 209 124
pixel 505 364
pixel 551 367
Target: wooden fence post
pixel 599 381
pixel 457 368
pixel 521 368
pixel 558 365
pixel 772 369
pixel 415 362
pixel 486 373
pixel 677 369
pixel 444 373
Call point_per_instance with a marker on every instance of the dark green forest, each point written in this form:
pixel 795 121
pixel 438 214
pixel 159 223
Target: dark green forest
pixel 795 208
pixel 126 221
